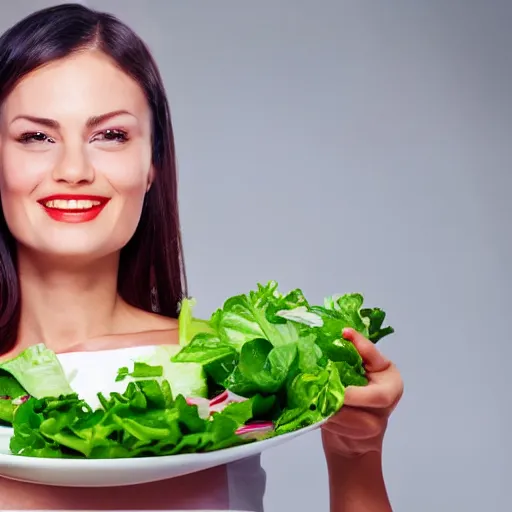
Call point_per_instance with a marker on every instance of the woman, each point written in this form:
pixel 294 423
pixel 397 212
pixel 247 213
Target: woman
pixel 90 250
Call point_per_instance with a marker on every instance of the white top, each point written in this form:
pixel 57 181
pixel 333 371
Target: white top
pixel 247 481
pixel 246 488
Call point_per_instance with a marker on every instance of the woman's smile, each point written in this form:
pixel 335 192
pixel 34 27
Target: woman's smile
pixel 73 208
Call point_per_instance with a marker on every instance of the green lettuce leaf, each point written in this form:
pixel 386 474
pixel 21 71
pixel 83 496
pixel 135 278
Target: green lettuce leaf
pixel 246 317
pixel 10 387
pixel 375 318
pixel 189 326
pixel 39 372
pixel 281 320
pixel 312 398
pixel 185 379
pixel 10 391
pixel 261 368
pixel 142 421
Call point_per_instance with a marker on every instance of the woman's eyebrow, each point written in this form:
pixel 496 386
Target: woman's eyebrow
pixel 91 122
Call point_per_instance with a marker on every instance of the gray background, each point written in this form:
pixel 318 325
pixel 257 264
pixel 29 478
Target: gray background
pixel 357 146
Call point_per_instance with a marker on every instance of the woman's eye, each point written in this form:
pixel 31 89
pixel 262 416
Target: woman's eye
pixel 31 137
pixel 112 135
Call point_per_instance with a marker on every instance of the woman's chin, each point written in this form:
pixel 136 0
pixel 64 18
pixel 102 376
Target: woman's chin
pixel 62 255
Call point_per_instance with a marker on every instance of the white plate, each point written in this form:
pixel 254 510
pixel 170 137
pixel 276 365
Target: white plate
pixel 118 472
pixel 100 368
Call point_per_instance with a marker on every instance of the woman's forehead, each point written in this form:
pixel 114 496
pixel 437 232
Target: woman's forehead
pixel 84 84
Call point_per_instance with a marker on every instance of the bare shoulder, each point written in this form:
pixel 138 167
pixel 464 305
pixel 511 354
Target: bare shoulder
pixel 135 339
pixel 154 322
pixel 138 328
pixel 138 320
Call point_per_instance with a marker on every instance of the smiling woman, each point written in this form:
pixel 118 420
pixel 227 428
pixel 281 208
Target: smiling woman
pixel 56 155
pixel 91 254
pixel 89 225
pixel 86 140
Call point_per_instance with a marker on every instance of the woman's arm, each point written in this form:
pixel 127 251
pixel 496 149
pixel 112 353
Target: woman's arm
pixel 356 484
pixel 353 439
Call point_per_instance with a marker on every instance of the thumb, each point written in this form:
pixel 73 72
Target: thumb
pixel 373 360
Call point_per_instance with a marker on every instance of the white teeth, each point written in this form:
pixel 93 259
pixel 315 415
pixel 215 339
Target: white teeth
pixel 73 204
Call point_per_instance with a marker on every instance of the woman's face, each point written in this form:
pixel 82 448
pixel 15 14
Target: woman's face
pixel 75 157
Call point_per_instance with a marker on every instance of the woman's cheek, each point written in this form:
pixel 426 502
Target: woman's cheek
pixel 20 177
pixel 126 170
pixel 22 172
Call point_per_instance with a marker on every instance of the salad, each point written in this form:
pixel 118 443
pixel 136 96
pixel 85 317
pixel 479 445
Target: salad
pixel 264 364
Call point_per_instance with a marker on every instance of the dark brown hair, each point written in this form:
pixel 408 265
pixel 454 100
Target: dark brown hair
pixel 151 271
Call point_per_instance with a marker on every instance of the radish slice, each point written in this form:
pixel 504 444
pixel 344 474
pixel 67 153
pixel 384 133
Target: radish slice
pixel 256 430
pixel 228 396
pixel 219 398
pixel 20 400
pixel 207 407
pixel 219 403
pixel 203 406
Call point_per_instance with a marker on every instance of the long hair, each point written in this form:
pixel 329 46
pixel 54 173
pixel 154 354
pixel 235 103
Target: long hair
pixel 151 270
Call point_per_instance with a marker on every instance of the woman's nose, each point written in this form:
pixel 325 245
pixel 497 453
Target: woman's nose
pixel 74 166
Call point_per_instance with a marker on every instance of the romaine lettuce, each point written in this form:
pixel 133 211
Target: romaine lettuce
pixel 38 370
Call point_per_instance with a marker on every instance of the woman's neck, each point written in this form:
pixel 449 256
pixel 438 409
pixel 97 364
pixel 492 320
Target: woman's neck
pixel 69 304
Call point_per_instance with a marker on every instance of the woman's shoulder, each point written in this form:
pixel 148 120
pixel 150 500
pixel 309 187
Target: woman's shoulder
pixel 154 323
pixel 141 329
pixel 148 329
pixel 136 339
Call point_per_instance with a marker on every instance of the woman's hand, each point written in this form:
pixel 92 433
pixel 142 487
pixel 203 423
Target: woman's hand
pixel 360 425
pixel 353 438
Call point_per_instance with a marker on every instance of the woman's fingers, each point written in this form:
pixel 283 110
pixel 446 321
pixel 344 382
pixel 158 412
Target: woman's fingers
pixel 373 360
pixel 360 424
pixel 383 391
pixel 385 385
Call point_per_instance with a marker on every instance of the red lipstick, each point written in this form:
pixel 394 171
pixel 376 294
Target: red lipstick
pixel 73 208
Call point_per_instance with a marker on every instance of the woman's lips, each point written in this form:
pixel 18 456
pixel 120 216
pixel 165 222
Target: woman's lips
pixel 73 208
